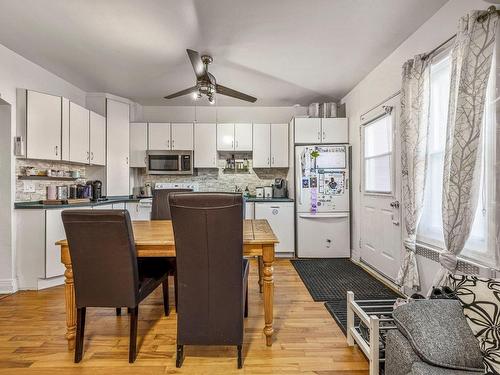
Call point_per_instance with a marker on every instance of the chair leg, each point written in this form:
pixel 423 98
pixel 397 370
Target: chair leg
pixel 166 306
pixel 180 356
pixel 246 302
pixel 80 333
pixel 118 311
pixel 240 358
pixel 132 351
pixel 175 291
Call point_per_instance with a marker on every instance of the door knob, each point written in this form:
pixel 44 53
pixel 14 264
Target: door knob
pixel 395 204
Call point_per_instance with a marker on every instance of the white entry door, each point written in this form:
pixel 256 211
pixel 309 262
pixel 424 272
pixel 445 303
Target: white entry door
pixel 380 229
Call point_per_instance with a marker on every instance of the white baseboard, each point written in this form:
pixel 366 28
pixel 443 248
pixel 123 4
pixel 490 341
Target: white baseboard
pixel 8 286
pixel 49 283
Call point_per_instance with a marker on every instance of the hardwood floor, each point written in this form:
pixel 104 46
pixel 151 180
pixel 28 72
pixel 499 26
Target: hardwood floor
pixel 307 340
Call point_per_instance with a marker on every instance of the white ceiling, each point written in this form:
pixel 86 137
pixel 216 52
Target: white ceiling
pixel 281 51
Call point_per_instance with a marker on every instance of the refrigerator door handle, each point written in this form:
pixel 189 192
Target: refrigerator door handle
pixel 323 215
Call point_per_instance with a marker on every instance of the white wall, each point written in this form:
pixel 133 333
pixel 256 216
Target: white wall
pixel 384 81
pixel 17 72
pixel 220 114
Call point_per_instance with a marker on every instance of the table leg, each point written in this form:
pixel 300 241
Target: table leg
pixel 268 259
pixel 260 265
pixel 69 294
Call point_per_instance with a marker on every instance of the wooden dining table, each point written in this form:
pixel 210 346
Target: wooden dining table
pixel 156 239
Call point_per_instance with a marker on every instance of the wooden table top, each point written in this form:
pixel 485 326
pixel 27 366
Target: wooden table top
pixel 156 237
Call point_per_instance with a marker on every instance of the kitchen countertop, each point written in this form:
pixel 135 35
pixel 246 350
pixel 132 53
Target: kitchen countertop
pixel 123 199
pixel 38 205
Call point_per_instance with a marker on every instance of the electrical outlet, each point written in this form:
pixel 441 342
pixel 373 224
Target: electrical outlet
pixel 28 187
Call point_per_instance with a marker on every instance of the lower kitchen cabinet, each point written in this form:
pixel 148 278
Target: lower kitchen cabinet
pixel 139 211
pixel 249 210
pixel 280 216
pixel 38 257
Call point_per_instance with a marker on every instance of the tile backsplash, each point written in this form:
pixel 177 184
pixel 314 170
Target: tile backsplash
pixel 40 185
pixel 216 179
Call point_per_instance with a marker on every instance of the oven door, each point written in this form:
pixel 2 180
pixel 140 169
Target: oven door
pixel 163 163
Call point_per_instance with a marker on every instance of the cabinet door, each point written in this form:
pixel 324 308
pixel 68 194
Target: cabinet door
pixel 261 145
pixel 182 136
pixel 243 137
pixel 97 139
pixel 79 134
pixel 335 130
pixel 138 212
pixel 117 164
pixel 249 210
pixel 279 145
pixel 307 130
pixel 205 146
pixel 225 137
pixel 138 144
pixel 65 130
pixel 280 216
pixel 159 136
pixel 43 126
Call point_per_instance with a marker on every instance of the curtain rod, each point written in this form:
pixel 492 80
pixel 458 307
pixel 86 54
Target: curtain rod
pixel 490 10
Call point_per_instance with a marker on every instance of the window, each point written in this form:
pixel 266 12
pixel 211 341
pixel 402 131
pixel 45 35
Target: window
pixel 377 155
pixel 430 231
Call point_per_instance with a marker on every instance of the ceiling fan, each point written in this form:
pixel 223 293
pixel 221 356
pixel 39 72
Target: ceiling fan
pixel 206 83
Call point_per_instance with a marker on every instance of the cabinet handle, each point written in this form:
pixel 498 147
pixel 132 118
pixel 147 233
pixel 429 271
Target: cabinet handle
pixel 57 150
pixel 232 144
pixel 168 143
pixel 126 159
pixel 215 164
pixel 324 135
pixel 236 144
pixel 272 161
pixel 88 155
pixel 268 162
pixel 319 136
pixel 172 143
pixel 91 156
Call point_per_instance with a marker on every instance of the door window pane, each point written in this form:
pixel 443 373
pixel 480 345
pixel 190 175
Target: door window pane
pixel 377 153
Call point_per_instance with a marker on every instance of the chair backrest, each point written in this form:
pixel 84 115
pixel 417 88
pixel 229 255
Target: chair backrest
pixel 104 258
pixel 161 206
pixel 208 230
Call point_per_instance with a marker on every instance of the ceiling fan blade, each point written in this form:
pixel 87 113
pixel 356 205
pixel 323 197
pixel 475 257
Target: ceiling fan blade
pixel 198 66
pixel 234 94
pixel 183 92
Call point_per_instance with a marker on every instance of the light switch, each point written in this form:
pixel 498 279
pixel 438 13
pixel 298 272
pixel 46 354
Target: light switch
pixel 28 186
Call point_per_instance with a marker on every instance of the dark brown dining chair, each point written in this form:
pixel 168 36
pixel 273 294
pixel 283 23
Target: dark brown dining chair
pixel 160 207
pixel 161 211
pixel 212 274
pixel 105 268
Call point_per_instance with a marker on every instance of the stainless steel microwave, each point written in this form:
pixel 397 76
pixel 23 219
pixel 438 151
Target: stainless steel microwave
pixel 170 162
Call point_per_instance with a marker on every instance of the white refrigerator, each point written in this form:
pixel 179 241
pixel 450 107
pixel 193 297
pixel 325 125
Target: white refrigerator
pixel 322 199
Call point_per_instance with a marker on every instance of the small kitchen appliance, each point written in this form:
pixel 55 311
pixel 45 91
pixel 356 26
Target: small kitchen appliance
pixel 259 192
pixel 279 188
pixel 268 192
pixel 170 162
pixel 96 190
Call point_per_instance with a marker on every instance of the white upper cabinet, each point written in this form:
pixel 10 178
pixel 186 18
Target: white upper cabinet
pixel 321 130
pixel 205 145
pixel 117 158
pixel 97 139
pixel 307 130
pixel 43 126
pixel 182 136
pixel 234 137
pixel 261 145
pixel 243 137
pixel 225 137
pixel 279 145
pixel 65 130
pixel 159 136
pixel 335 130
pixel 79 133
pixel 270 145
pixel 138 144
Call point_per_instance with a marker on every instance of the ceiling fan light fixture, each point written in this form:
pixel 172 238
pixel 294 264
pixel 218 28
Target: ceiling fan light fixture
pixel 211 99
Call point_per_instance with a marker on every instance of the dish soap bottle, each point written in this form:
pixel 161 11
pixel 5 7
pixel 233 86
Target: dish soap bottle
pixel 246 193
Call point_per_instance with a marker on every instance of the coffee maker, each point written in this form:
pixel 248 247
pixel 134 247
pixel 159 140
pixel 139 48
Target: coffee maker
pixel 279 188
pixel 96 190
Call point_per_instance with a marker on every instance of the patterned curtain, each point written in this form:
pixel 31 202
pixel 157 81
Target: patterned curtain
pixel 414 130
pixel 471 64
